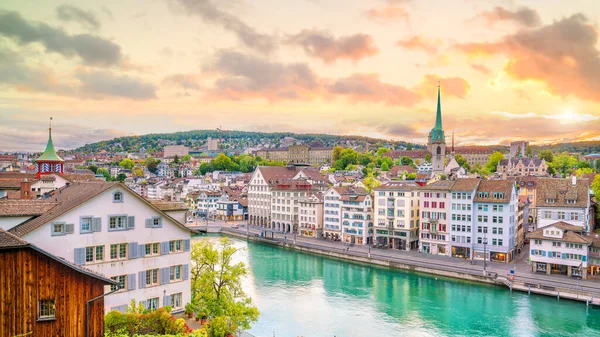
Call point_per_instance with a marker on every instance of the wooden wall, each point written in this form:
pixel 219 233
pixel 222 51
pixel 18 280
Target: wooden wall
pixel 27 276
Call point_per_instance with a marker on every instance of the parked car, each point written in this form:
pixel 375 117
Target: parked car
pixel 235 226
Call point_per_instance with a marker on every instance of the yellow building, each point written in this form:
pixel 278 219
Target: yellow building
pixel 299 154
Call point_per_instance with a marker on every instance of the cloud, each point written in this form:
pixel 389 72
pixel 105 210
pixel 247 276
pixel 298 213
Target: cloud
pixel 420 43
pixel 450 86
pixel 24 78
pixel 71 13
pixel 480 68
pixel 325 46
pixel 250 76
pixel 91 49
pixel 184 81
pixel 368 88
pixel 100 84
pixel 562 55
pixel 208 11
pixel 524 16
pixel 566 117
pixel 388 14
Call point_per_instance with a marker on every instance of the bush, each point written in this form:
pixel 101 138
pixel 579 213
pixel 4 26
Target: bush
pixel 131 324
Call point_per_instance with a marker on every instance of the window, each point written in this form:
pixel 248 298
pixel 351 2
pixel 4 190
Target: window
pixel 500 230
pixel 175 273
pixel 175 246
pixel 536 252
pixel 561 215
pixel 117 197
pixel 479 240
pixel 58 229
pixel 176 301
pixel 547 215
pixel 121 279
pixel 153 248
pixel 117 222
pixel 152 304
pixel 46 310
pixel 574 216
pixel 152 277
pixel 494 230
pixel 94 254
pixel 86 225
pixel 118 251
pixel 494 242
pixel 499 242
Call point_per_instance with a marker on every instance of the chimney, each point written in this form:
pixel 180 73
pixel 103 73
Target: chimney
pixel 25 189
pixel 574 179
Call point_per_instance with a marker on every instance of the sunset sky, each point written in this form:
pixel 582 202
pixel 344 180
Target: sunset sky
pixel 509 70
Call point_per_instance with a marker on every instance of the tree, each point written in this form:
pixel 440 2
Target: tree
pixel 93 168
pixel 584 170
pixel 152 164
pixel 409 146
pixel 176 159
pixel 428 157
pixel 186 159
pixel 138 171
pixel 492 164
pixel 217 285
pixel 385 167
pixel 406 160
pixel 529 151
pixel 121 177
pixel 583 164
pixel 381 151
pixel 563 163
pixel 337 153
pixel 105 173
pixel 547 156
pixel 443 177
pixel 595 186
pixel 222 163
pixel 370 183
pixel 127 164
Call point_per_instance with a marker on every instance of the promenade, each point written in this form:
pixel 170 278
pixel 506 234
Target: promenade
pixel 496 272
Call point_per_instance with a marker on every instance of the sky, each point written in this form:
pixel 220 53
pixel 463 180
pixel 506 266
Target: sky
pixel 508 70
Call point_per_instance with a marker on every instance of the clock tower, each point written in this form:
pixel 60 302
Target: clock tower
pixel 436 143
pixel 49 162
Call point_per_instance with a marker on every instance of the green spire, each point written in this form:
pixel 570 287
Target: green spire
pixel 437 133
pixel 438 117
pixel 49 154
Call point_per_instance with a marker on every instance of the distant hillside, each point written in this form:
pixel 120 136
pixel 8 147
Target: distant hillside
pixel 232 140
pixel 579 147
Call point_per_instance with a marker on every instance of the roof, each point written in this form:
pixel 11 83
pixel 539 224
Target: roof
pixel 491 186
pixel 568 236
pixel 394 170
pixel 407 153
pixel 49 154
pixel 166 206
pixel 471 150
pixel 11 241
pixel 21 207
pixel 273 173
pixel 560 190
pixel 397 185
pixel 466 184
pixel 440 185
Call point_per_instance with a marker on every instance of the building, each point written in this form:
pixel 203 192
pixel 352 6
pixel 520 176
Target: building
pixel 523 167
pixel 212 144
pixel 357 216
pixel 49 162
pixel 43 294
pixel 434 204
pixel 175 150
pixel 311 215
pixel 560 248
pixel 462 216
pixel 206 203
pixel 518 149
pixel 286 196
pixel 396 215
pixel 474 154
pixel 314 154
pixel 436 141
pixel 229 209
pixel 259 191
pixel 418 156
pixel 496 214
pixel 332 213
pixel 566 200
pixel 110 229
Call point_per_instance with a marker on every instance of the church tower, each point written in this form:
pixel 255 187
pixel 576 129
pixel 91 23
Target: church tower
pixel 49 162
pixel 436 143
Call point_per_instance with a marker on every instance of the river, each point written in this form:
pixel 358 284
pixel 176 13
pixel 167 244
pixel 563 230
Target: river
pixel 305 295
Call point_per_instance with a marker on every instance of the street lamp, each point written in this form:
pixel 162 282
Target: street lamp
pixel 484 248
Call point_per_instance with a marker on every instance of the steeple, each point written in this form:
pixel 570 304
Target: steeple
pixel 437 133
pixel 49 161
pixel 438 116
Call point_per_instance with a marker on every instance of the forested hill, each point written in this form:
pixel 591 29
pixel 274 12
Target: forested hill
pixel 231 140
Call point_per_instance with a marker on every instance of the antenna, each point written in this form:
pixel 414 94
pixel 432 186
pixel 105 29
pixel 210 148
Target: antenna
pixel 50 124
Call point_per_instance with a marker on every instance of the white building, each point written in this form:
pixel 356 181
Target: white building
pixel 566 200
pixel 286 196
pixel 206 203
pixel 560 248
pixel 175 150
pixel 434 204
pixel 311 215
pixel 396 215
pixel 462 217
pixel 496 216
pixel 332 212
pixel 111 230
pixel 357 216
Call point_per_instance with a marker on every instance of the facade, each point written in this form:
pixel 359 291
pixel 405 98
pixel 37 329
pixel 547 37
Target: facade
pixel 496 214
pixel 462 216
pixel 212 144
pixel 523 167
pixel 313 154
pixel 286 196
pixel 434 204
pixel 396 215
pixel 311 216
pixel 259 192
pixel 109 229
pixel 357 216
pixel 175 150
pixel 229 209
pixel 518 149
pixel 332 212
pixel 43 294
pixel 206 203
pixel 566 200
pixel 560 248
pixel 474 154
pixel 436 141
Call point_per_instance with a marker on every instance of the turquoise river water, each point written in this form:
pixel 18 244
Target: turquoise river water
pixel 312 296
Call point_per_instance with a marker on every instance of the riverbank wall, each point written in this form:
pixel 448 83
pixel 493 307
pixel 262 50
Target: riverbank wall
pixel 559 291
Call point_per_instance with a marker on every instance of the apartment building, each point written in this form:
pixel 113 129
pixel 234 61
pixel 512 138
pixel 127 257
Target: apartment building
pixel 313 154
pixel 357 216
pixel 566 200
pixel 434 204
pixel 396 215
pixel 311 215
pixel 332 212
pixel 206 203
pixel 259 192
pixel 285 203
pixel 462 215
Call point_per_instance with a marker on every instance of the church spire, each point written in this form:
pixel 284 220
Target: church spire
pixel 438 116
pixel 437 133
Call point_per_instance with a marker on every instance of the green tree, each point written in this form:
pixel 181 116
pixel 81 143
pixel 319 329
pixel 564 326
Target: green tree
pixel 564 163
pixel 381 151
pixel 105 173
pixel 411 176
pixel 584 170
pixel 406 160
pixel 222 163
pixel 385 167
pixel 152 164
pixel 217 284
pixel 583 164
pixel 492 164
pixel 121 177
pixel 409 146
pixel 138 171
pixel 547 156
pixel 186 159
pixel 370 183
pixel 337 153
pixel 127 164
pixel 529 151
pixel 176 159
pixel 428 157
pixel 595 186
pixel 93 168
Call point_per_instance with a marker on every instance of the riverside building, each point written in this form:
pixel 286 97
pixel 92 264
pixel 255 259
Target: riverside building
pixel 396 215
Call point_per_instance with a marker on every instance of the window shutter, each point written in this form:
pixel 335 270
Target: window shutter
pixel 532 252
pixel 185 271
pixel 148 223
pixel 69 228
pixel 79 257
pixel 131 282
pixel 160 222
pixel 583 258
pixel 164 275
pixel 97 225
pixel 186 245
pixel 564 255
pixel 145 303
pixel 142 279
pixel 131 222
pixel 543 253
pixel 164 248
pixel 141 250
pixel 133 250
pixel 167 300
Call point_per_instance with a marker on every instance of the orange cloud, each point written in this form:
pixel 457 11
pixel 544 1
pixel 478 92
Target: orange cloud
pixel 480 68
pixel 368 88
pixel 388 14
pixel 524 16
pixel 420 43
pixel 323 45
pixel 451 86
pixel 562 55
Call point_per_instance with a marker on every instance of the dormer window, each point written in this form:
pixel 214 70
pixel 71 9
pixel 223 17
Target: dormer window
pixel 570 201
pixel 550 201
pixel 118 197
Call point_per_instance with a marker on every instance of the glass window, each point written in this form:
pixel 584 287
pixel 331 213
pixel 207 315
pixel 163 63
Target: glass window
pixel 94 254
pixel 117 197
pixel 86 224
pixel 121 279
pixel 117 222
pixel 118 251
pixel 152 304
pixel 152 277
pixel 175 246
pixel 175 273
pixel 176 300
pixel 153 248
pixel 58 228
pixel 47 310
